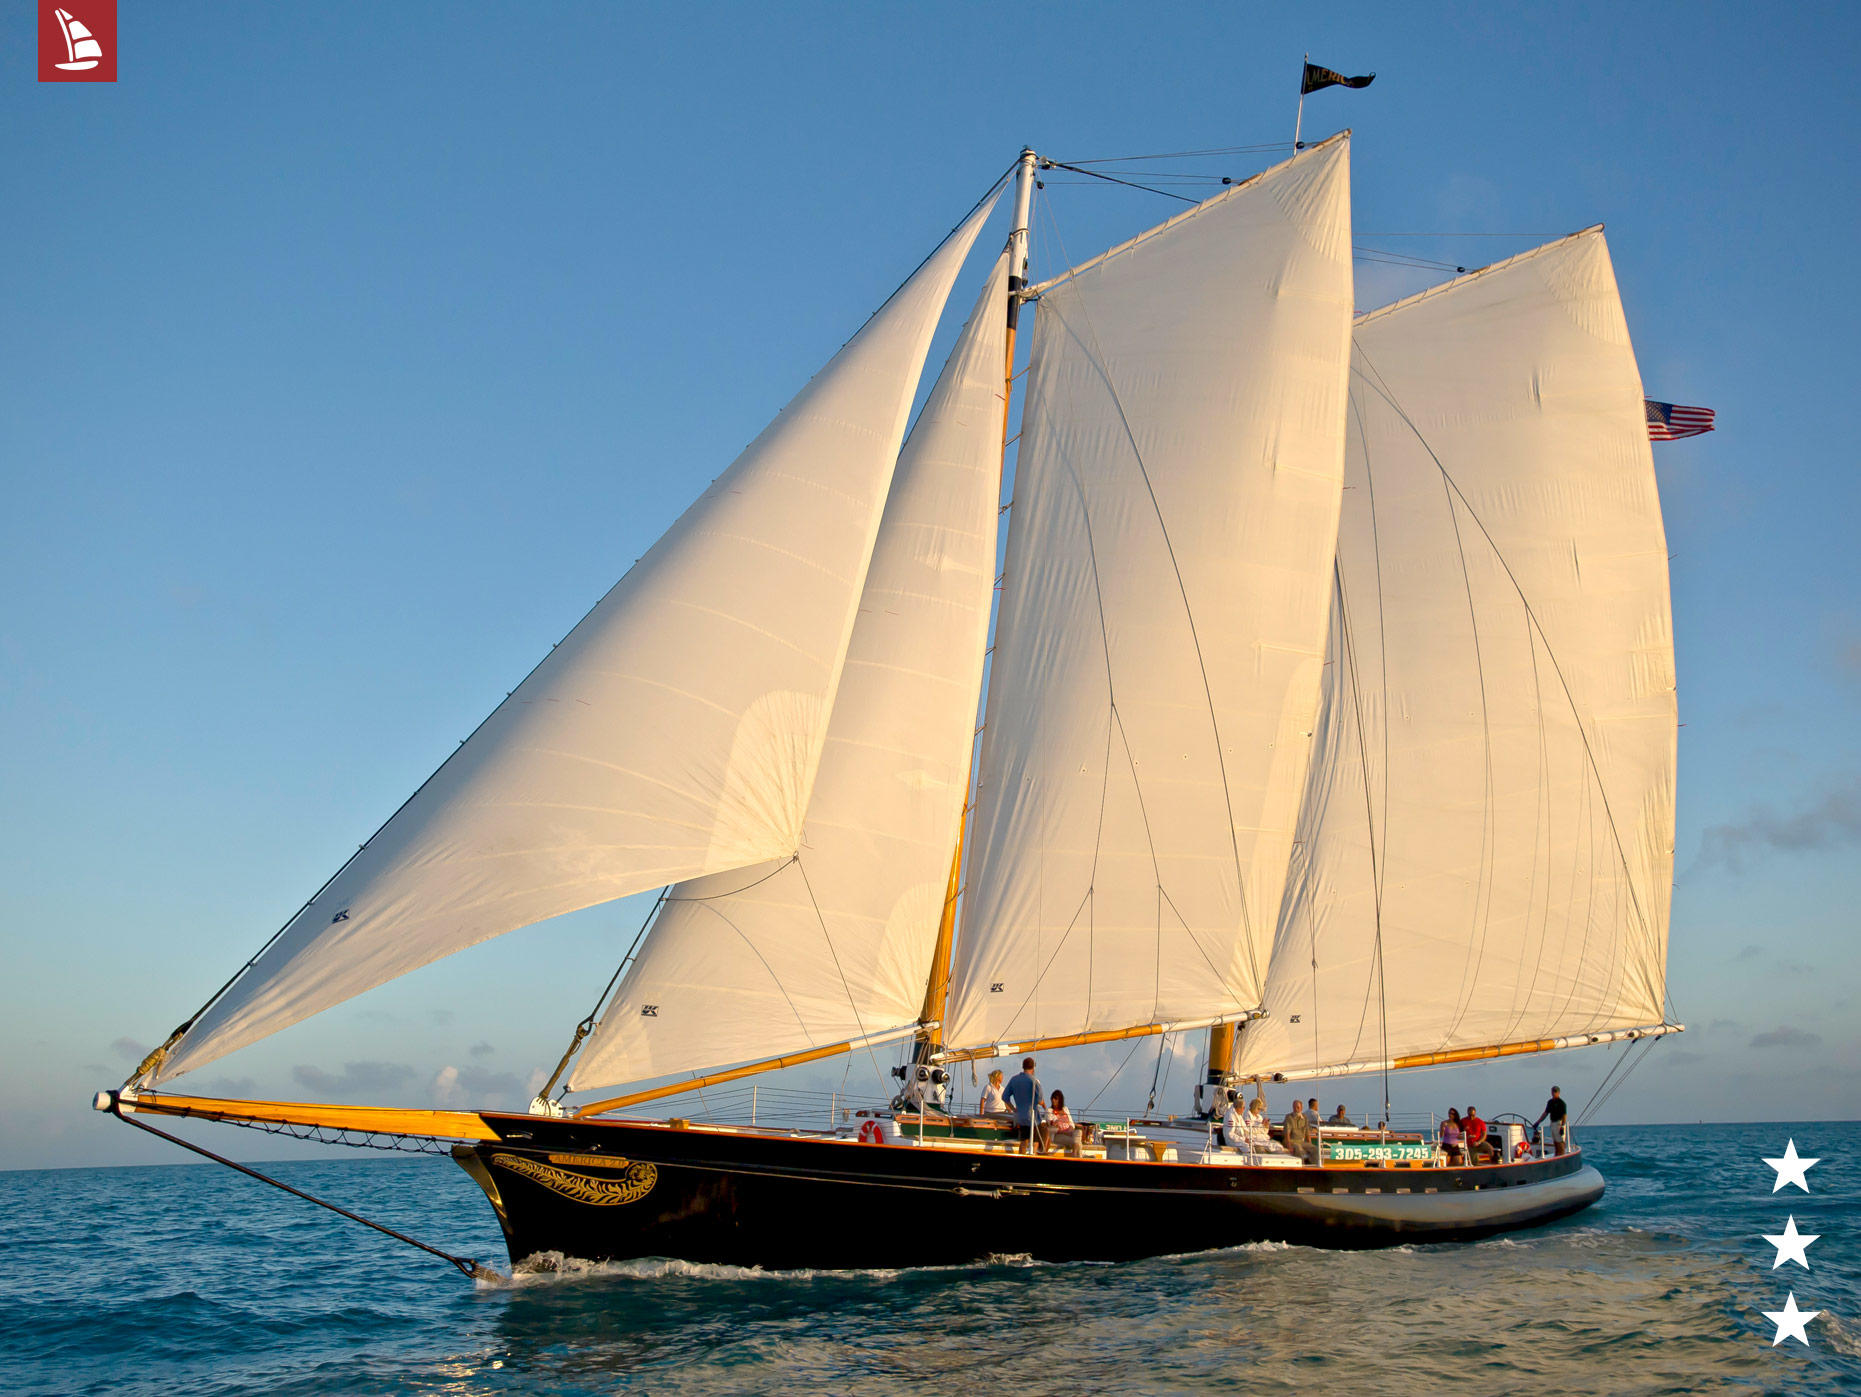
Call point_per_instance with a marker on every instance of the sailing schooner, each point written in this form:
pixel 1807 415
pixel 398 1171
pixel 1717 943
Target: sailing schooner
pixel 1330 708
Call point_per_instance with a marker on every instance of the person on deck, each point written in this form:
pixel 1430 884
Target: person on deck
pixel 1557 1111
pixel 1478 1148
pixel 1297 1132
pixel 1452 1136
pixel 1023 1094
pixel 1061 1130
pixel 1233 1123
pixel 1259 1128
pixel 993 1102
pixel 1242 1129
pixel 1338 1117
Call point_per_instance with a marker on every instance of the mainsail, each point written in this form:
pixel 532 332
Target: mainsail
pixel 834 943
pixel 1486 848
pixel 1158 655
pixel 674 733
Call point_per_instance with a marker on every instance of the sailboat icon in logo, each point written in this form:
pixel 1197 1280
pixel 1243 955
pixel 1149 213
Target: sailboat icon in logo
pixel 80 44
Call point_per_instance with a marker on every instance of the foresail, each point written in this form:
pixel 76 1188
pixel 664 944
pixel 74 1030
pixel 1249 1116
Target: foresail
pixel 1162 626
pixel 675 732
pixel 1493 785
pixel 834 943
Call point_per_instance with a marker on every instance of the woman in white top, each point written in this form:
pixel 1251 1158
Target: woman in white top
pixel 1259 1139
pixel 993 1102
pixel 1234 1124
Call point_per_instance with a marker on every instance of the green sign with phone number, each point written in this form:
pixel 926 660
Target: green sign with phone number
pixel 1378 1149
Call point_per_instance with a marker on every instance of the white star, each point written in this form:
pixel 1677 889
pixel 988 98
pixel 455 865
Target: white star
pixel 1791 1322
pixel 1791 1245
pixel 1791 1168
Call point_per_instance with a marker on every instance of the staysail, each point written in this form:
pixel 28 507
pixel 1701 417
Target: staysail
pixel 834 943
pixel 675 732
pixel 1158 653
pixel 1486 849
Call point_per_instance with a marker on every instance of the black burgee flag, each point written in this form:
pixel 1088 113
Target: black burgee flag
pixel 1317 77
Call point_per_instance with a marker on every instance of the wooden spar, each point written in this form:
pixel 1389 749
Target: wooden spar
pixel 381 1120
pixel 729 1074
pixel 1079 1040
pixel 937 990
pixel 1480 1054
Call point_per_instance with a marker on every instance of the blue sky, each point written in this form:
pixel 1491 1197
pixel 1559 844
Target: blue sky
pixel 349 357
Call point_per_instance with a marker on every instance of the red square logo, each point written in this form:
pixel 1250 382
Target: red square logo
pixel 77 40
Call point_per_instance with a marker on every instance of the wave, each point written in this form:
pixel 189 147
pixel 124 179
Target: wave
pixel 552 1267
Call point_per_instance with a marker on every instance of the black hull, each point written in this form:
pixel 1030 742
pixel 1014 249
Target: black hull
pixel 613 1191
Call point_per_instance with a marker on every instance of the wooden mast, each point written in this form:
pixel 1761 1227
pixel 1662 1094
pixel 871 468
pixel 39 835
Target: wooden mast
pixel 1220 1057
pixel 937 990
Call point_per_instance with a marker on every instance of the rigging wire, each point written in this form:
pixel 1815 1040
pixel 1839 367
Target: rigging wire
pixel 1365 233
pixel 852 1003
pixel 587 1025
pixel 1136 1043
pixel 470 1269
pixel 1365 253
pixel 1600 1097
pixel 1113 179
pixel 1164 1060
pixel 1185 154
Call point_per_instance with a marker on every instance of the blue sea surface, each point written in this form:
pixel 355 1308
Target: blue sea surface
pixel 194 1279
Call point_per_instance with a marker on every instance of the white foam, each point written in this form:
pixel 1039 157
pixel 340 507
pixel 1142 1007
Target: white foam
pixel 551 1267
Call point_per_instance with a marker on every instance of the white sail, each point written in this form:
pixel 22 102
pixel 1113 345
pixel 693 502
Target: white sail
pixel 1162 627
pixel 1493 786
pixel 676 730
pixel 835 943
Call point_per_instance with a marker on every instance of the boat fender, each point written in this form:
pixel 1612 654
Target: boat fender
pixel 872 1133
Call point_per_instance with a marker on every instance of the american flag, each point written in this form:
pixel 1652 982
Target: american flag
pixel 1671 421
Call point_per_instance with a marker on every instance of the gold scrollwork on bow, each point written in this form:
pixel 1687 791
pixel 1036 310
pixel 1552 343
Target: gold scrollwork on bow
pixel 634 1185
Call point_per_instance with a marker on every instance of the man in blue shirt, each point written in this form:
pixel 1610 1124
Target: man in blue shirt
pixel 1029 1101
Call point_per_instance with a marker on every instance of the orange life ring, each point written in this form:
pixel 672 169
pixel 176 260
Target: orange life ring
pixel 872 1133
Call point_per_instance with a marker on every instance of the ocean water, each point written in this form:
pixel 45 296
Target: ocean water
pixel 194 1279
